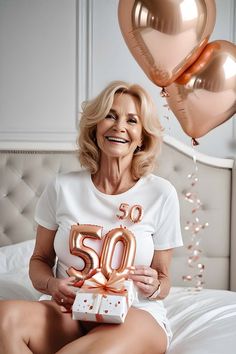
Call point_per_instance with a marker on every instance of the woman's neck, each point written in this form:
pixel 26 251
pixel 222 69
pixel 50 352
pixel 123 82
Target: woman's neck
pixel 114 176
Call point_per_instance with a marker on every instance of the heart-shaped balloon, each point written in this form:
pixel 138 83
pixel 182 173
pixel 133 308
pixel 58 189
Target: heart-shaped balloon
pixel 165 36
pixel 205 95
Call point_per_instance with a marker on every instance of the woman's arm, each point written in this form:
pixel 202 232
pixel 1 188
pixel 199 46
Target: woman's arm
pixel 41 269
pixel 148 279
pixel 43 259
pixel 161 263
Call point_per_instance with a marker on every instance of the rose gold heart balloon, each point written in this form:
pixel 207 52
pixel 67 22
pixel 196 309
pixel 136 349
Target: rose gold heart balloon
pixel 165 36
pixel 205 95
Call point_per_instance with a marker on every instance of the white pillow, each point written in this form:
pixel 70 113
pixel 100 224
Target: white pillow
pixel 15 257
pixel 14 272
pixel 17 285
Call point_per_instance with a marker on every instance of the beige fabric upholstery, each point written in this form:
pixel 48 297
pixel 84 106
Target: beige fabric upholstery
pixel 23 176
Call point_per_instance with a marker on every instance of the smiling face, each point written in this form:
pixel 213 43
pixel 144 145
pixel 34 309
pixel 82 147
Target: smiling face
pixel 120 132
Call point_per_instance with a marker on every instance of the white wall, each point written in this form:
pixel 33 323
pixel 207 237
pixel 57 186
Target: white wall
pixel 56 53
pixel 37 70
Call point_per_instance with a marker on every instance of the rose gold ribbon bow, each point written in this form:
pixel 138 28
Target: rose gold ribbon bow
pixel 99 283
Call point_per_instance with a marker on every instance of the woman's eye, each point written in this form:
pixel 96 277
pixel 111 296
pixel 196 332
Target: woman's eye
pixel 132 120
pixel 110 116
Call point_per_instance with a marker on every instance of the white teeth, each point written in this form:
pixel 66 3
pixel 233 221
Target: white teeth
pixel 119 140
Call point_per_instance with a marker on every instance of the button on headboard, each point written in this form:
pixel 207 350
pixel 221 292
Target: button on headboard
pixel 24 174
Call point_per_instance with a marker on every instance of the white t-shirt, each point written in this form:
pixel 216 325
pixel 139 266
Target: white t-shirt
pixel 72 199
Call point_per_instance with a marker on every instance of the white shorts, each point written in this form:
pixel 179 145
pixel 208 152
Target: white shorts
pixel 158 311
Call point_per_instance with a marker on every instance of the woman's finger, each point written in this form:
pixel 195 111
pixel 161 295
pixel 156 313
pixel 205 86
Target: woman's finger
pixel 145 288
pixel 143 279
pixel 66 289
pixel 144 270
pixel 71 280
pixel 66 300
pixel 63 300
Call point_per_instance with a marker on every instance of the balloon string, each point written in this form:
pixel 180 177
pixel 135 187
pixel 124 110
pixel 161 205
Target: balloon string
pixel 167 117
pixel 194 226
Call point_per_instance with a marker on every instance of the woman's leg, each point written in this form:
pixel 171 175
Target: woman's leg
pixel 37 327
pixel 139 334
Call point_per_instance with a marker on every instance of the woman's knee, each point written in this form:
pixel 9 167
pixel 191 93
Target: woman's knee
pixel 95 349
pixel 89 345
pixel 10 316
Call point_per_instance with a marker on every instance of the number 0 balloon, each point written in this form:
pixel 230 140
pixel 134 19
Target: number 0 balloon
pixel 129 248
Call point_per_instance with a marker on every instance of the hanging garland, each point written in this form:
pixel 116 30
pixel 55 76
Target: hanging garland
pixel 195 228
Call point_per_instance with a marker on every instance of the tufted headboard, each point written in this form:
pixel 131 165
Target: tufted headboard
pixel 24 174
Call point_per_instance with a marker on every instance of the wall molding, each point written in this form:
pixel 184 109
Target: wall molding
pixel 84 51
pixel 8 137
pixel 81 51
pixel 68 146
pixel 233 4
pixel 37 146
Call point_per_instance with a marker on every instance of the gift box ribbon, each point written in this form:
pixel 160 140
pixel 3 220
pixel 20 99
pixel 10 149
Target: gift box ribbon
pixel 100 284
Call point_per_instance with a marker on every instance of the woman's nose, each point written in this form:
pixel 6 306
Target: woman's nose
pixel 120 125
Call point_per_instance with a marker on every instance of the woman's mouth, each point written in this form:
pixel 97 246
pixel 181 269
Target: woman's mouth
pixel 116 139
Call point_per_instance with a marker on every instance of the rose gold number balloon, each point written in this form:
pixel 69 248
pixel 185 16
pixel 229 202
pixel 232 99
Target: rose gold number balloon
pixel 136 213
pixel 124 208
pixel 77 236
pixel 165 36
pixel 129 249
pixel 205 95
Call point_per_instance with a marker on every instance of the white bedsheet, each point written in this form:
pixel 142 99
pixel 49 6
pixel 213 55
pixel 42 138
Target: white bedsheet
pixel 202 322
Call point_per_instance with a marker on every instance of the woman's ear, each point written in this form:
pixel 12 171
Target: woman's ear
pixel 141 143
pixel 138 149
pixel 94 136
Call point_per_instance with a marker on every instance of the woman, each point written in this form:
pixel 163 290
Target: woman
pixel 120 137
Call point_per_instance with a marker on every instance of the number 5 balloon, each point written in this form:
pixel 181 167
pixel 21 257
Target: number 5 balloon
pixel 205 95
pixel 78 234
pixel 165 36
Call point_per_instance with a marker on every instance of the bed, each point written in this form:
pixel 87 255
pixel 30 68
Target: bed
pixel 203 321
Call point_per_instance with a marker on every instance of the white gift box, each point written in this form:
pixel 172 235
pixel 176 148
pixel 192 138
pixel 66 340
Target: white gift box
pixel 131 291
pixel 103 307
pixel 86 306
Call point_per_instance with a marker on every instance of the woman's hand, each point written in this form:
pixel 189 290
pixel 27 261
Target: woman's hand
pixel 61 291
pixel 146 279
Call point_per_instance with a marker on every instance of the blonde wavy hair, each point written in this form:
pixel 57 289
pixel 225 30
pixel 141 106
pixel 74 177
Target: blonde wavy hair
pixel 95 110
